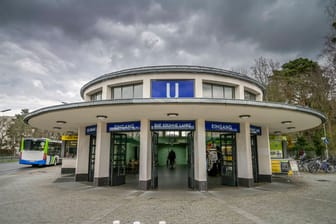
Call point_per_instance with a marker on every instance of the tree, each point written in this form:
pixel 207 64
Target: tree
pixel 262 71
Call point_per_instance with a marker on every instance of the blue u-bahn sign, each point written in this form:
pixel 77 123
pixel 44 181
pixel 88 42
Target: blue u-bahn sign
pixel 173 88
pixel 222 126
pixel 124 126
pixel 172 125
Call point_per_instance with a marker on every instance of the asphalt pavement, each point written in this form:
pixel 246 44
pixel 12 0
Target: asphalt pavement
pixel 42 195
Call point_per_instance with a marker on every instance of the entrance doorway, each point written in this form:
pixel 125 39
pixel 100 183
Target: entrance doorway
pixel 92 157
pixel 254 152
pixel 172 171
pixel 124 158
pixel 221 159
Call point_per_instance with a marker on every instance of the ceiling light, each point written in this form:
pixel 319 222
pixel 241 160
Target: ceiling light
pixel 101 117
pixel 244 116
pixel 57 128
pixel 172 114
pixel 277 132
pixel 289 128
pixel 61 122
pixel 286 122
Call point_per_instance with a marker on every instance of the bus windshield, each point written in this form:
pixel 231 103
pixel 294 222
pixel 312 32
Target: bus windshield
pixel 35 145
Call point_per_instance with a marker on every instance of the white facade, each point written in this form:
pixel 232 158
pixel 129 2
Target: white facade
pixel 200 97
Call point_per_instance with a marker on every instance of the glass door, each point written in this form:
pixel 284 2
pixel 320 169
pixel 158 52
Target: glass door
pixel 155 160
pixel 254 151
pixel 190 145
pixel 92 157
pixel 118 163
pixel 228 160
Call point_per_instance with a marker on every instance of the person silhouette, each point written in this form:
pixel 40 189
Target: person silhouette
pixel 171 159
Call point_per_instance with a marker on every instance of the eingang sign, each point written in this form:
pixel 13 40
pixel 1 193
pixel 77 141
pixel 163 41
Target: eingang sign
pixel 124 126
pixel 222 126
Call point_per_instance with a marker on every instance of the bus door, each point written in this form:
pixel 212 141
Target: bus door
pixel 228 160
pixel 155 160
pixel 190 146
pixel 254 151
pixel 118 163
pixel 92 157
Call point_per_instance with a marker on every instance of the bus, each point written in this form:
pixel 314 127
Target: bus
pixel 40 151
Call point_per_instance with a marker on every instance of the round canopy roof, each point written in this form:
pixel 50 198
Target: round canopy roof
pixel 279 118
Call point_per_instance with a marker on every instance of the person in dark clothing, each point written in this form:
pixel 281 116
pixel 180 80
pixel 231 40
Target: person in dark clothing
pixel 171 158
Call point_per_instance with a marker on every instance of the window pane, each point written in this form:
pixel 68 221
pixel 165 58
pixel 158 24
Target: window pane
pixel 138 91
pixel 127 92
pixel 207 91
pixel 249 96
pixel 117 93
pixel 228 92
pixel 217 91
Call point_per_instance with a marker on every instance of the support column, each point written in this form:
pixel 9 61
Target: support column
pixel 244 156
pixel 200 169
pixel 264 156
pixel 145 167
pixel 82 160
pixel 102 163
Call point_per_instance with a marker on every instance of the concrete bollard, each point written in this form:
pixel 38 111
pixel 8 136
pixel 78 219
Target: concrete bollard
pixel 116 222
pixel 136 222
pixel 162 222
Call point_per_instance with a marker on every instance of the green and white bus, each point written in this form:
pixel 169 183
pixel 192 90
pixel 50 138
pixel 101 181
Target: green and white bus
pixel 40 151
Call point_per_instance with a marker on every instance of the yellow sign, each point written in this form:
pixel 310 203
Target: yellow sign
pixel 69 137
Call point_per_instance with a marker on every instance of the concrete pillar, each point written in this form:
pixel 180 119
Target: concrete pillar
pixel 244 156
pixel 146 88
pixel 106 93
pixel 198 87
pixel 264 156
pixel 145 167
pixel 239 92
pixel 82 160
pixel 102 163
pixel 200 168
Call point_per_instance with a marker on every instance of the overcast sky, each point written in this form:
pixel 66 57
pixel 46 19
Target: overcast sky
pixel 50 48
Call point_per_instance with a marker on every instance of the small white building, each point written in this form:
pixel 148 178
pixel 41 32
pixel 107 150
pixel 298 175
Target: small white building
pixel 131 119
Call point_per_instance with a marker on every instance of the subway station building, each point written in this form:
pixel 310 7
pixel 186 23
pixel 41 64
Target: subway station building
pixel 214 120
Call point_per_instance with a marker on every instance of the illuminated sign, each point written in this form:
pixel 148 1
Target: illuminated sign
pixel 255 130
pixel 91 130
pixel 222 126
pixel 124 126
pixel 172 125
pixel 69 138
pixel 172 88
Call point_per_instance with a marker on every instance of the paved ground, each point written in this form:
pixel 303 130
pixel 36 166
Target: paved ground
pixel 42 195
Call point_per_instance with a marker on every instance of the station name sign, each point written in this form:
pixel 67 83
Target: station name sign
pixel 124 126
pixel 255 130
pixel 91 130
pixel 173 88
pixel 221 126
pixel 172 125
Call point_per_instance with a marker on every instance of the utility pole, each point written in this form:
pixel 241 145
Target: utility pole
pixel 325 140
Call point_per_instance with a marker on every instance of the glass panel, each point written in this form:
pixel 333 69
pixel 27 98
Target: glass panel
pixel 207 93
pixel 249 96
pixel 217 91
pixel 127 92
pixel 117 93
pixel 228 92
pixel 138 91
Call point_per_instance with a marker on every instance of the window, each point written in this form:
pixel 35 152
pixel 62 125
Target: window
pixel 127 92
pixel 96 96
pixel 250 96
pixel 218 91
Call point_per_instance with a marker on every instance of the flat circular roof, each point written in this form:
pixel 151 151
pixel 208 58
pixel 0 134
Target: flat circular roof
pixel 170 69
pixel 279 118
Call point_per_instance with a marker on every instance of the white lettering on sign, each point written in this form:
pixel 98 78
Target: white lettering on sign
pixel 168 90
